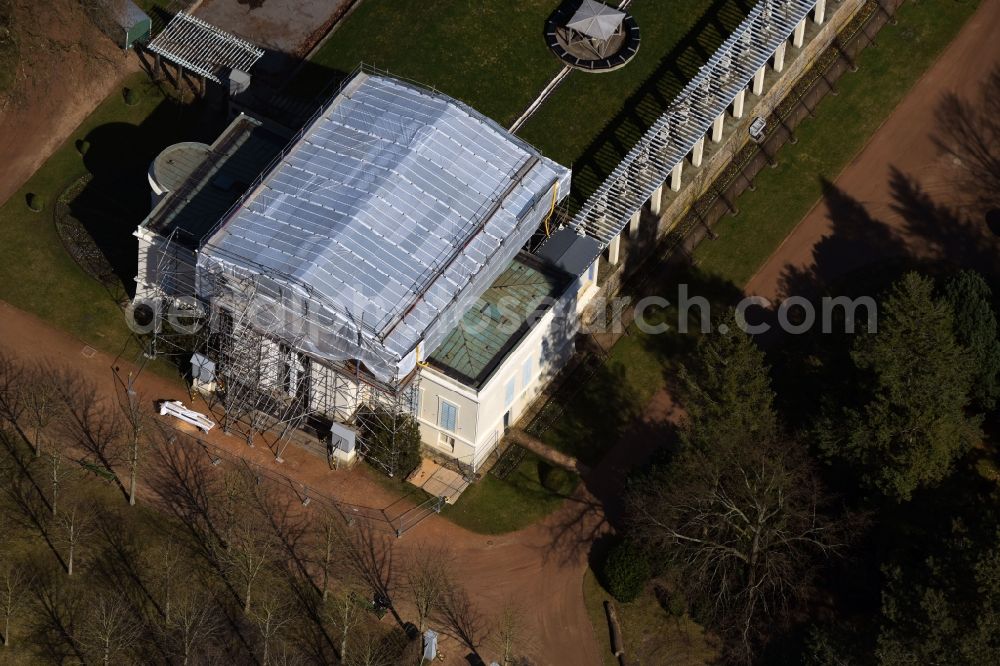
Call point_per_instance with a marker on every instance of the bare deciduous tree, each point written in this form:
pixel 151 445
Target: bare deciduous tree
pixel 331 537
pixel 72 528
pixel 744 527
pixel 426 580
pixel 13 585
pixel 270 616
pixel 250 544
pixel 136 421
pixel 372 647
pixel 165 564
pixel 191 625
pixel 509 633
pixel 41 400
pixel 346 614
pixel 59 473
pixel 109 631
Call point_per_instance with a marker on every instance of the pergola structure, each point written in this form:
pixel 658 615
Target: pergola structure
pixel 697 113
pixel 595 24
pixel 203 48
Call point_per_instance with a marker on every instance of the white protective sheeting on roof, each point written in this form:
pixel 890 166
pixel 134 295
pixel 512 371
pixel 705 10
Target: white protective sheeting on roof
pixel 204 49
pixel 597 20
pixel 382 224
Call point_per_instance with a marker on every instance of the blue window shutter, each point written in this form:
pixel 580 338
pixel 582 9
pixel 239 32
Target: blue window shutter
pixel 526 373
pixel 509 394
pixel 449 416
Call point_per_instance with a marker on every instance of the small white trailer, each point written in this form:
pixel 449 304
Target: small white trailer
pixel 177 409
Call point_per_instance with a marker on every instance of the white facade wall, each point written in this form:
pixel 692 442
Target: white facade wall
pixel 481 413
pixel 163 265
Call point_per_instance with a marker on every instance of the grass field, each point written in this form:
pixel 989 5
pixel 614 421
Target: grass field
pixel 828 142
pixel 36 273
pixel 495 506
pixel 650 634
pixel 592 120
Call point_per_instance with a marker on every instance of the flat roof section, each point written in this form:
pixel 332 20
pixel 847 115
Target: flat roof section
pixel 570 250
pixel 215 181
pixel 498 321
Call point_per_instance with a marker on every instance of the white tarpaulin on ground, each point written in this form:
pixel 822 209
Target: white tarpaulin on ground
pixel 597 20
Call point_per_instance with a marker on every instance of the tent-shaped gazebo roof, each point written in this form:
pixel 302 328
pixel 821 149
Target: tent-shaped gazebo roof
pixel 596 20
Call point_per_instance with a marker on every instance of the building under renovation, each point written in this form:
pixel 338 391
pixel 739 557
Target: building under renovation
pixel 372 265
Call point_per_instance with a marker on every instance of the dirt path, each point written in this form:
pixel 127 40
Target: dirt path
pixel 540 567
pixel 896 197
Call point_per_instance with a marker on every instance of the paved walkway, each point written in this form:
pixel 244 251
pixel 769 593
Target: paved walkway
pixel 898 195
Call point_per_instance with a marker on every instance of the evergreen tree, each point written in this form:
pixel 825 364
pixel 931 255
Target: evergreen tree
pixel 910 424
pixel 726 391
pixel 975 327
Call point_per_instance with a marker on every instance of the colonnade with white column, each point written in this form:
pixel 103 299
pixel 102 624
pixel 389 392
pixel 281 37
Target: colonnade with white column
pixel 697 153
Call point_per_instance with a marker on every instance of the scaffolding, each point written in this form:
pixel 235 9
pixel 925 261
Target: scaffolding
pixel 352 255
pixel 266 387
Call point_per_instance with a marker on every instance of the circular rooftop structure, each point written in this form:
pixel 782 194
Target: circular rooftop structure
pixel 173 166
pixel 592 36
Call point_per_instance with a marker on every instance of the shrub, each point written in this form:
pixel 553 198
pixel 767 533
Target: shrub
pixel 556 479
pixel 672 602
pixel 396 455
pixel 36 202
pixel 82 146
pixel 131 96
pixel 625 572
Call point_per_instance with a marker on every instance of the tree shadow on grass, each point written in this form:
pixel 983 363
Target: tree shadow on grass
pixel 117 195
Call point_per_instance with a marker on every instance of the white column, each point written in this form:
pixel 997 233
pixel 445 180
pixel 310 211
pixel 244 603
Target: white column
pixel 675 176
pixel 633 223
pixel 799 36
pixel 738 104
pixel 613 250
pixel 758 82
pixel 717 127
pixel 820 15
pixel 698 152
pixel 779 57
pixel 656 200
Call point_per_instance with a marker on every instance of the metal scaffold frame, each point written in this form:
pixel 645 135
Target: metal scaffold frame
pixel 266 387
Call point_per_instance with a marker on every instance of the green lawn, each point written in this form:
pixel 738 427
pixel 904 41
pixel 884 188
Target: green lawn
pixel 592 120
pixel 489 53
pixel 496 506
pixel 595 410
pixel 828 142
pixel 650 634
